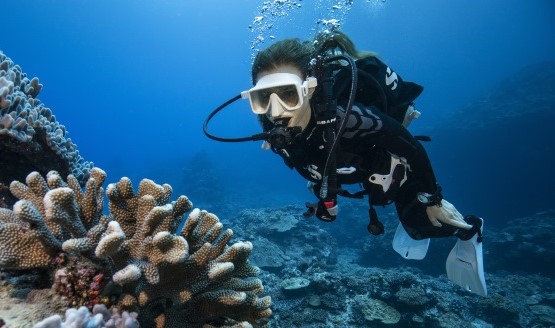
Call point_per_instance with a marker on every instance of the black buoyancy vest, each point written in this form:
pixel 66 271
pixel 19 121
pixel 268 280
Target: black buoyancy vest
pixel 378 85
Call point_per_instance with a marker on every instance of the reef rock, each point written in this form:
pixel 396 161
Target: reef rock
pixel 524 245
pixel 375 310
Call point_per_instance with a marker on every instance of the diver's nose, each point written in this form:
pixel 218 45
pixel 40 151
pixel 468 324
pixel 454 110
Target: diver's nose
pixel 276 109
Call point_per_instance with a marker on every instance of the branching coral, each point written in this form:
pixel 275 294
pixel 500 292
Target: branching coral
pixel 198 275
pixel 50 216
pixel 173 280
pixel 99 318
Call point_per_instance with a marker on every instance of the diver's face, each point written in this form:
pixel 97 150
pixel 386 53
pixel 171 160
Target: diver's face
pixel 276 112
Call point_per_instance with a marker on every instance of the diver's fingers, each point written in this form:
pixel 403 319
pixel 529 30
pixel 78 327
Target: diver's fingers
pixel 446 204
pixel 458 216
pixel 452 216
pixel 433 212
pixel 457 223
pixel 452 213
pixel 434 221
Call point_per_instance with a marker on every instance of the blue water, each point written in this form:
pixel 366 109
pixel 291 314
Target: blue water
pixel 133 81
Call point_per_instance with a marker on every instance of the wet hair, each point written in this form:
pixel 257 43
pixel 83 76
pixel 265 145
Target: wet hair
pixel 299 54
pixel 288 51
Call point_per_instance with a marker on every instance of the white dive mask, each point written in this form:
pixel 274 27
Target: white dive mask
pixel 279 91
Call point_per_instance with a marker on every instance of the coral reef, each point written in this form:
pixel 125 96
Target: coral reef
pixel 525 244
pixel 82 282
pixel 375 310
pixel 295 286
pixel 380 293
pixel 99 318
pixel 269 227
pixel 172 280
pixel 30 137
pixel 26 298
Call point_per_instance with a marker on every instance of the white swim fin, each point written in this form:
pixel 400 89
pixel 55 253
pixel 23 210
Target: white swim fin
pixel 408 248
pixel 465 265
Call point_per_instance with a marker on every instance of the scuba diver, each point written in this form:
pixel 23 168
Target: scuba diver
pixel 339 116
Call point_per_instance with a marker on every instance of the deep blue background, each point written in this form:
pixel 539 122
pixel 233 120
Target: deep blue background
pixel 134 80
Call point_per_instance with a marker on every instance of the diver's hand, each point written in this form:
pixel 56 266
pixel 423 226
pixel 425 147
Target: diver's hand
pixel 327 209
pixel 446 213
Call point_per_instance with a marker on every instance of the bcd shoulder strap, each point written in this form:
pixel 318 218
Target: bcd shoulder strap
pixel 378 85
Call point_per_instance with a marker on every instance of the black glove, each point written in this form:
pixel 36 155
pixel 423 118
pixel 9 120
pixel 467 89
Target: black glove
pixel 476 223
pixel 327 209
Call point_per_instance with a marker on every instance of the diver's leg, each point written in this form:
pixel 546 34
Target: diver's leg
pixel 464 264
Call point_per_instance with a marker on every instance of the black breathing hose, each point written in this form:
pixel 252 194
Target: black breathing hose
pixel 260 136
pixel 330 170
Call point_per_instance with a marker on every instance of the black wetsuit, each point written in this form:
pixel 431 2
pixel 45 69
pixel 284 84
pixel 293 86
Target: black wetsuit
pixel 376 151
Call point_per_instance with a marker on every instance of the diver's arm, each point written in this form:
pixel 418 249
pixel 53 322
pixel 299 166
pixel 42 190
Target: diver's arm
pixel 393 137
pixel 396 139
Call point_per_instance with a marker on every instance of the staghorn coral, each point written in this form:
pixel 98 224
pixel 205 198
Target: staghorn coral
pixel 30 137
pixel 174 280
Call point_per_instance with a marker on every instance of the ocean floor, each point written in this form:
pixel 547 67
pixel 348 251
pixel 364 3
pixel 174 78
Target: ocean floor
pixel 319 277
